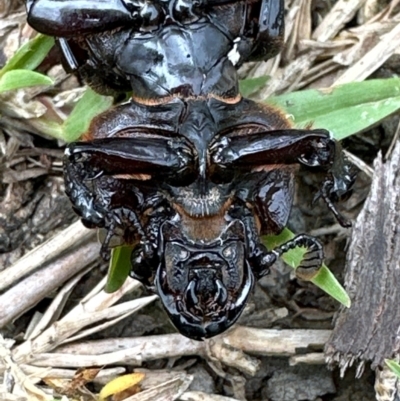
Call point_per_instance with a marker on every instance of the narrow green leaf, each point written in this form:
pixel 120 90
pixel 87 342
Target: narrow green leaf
pixel 393 366
pixel 250 85
pixel 120 266
pixel 324 279
pixel 17 79
pixel 345 109
pixel 48 127
pixel 30 55
pixel 90 105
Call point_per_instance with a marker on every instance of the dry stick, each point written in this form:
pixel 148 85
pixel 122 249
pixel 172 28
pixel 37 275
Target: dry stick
pixel 341 13
pixel 313 358
pixel 152 347
pixel 240 338
pixel 274 342
pixel 72 323
pixel 369 171
pixel 201 396
pixel 75 233
pixel 34 288
pixel 54 310
pixel 167 391
pixel 373 59
pixel 292 73
pixel 38 373
pixel 19 376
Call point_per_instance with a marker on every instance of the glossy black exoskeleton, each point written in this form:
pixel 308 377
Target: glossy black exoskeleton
pixel 188 173
pixel 163 47
pixel 195 192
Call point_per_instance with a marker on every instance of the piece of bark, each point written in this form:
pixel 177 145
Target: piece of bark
pixel 369 330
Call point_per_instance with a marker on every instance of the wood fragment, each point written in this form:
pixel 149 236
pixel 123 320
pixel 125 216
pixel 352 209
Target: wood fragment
pixel 133 351
pixel 168 391
pixel 341 13
pixel 387 384
pixel 201 396
pixel 373 59
pixel 34 393
pixel 28 292
pixel 275 342
pixel 368 331
pixel 54 310
pixel 38 373
pixel 72 323
pixel 74 234
pixel 313 358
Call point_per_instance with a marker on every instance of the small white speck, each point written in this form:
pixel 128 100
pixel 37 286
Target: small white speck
pixel 234 55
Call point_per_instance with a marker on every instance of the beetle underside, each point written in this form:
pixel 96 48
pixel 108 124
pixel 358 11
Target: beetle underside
pixel 188 173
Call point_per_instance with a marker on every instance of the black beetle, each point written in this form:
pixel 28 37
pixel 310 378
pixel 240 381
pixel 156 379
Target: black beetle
pixel 188 173
pixel 196 195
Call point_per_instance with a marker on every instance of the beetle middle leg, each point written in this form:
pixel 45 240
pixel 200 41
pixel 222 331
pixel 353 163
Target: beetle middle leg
pixel 271 203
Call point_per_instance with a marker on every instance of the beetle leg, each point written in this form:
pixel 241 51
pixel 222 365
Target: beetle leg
pixel 274 198
pixel 137 156
pixel 142 268
pixel 259 257
pixel 104 201
pixel 265 26
pixel 91 212
pixel 337 183
pixel 144 259
pixel 119 221
pixel 70 63
pixel 73 18
pixel 312 148
pixel 308 267
pixel 326 193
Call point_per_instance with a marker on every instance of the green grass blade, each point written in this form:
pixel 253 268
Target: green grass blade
pixel 324 279
pixel 250 85
pixel 90 105
pixel 17 79
pixel 30 55
pixel 120 266
pixel 393 366
pixel 345 109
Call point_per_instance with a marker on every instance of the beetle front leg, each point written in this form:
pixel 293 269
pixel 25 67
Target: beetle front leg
pixel 146 155
pixel 77 187
pixel 311 148
pixel 93 200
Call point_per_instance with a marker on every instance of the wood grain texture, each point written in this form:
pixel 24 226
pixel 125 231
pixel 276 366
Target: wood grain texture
pixel 369 330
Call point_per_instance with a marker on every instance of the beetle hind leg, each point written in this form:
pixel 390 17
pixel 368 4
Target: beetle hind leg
pixel 313 258
pixel 309 266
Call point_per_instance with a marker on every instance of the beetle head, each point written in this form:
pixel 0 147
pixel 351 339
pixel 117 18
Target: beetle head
pixel 203 287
